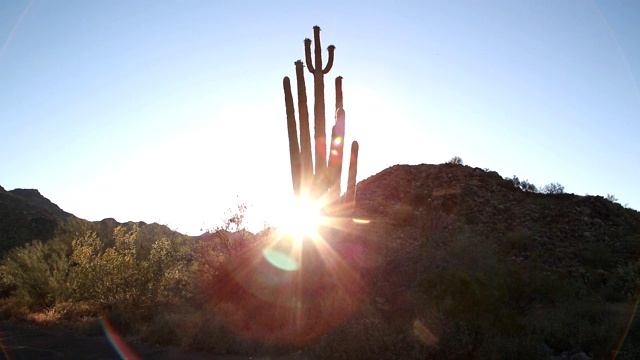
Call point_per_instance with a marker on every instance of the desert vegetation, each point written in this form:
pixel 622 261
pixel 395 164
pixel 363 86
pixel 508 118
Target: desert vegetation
pixel 437 295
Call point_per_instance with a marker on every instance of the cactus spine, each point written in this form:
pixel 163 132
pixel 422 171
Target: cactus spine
pixel 325 180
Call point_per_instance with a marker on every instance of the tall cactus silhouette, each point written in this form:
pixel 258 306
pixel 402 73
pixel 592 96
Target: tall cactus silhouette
pixel 323 181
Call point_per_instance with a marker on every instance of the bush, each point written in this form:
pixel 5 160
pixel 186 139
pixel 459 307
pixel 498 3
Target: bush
pixel 523 185
pixel 38 272
pixel 590 325
pixel 598 256
pixel 455 160
pixel 630 279
pixel 552 188
pixel 520 241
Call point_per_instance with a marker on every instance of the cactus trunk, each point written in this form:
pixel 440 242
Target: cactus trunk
pixel 306 168
pixel 350 196
pixel 294 150
pixel 320 135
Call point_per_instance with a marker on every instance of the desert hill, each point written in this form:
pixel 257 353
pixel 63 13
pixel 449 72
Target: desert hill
pixel 26 215
pixel 559 228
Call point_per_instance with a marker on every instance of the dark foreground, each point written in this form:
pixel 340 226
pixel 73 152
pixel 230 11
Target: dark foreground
pixel 32 343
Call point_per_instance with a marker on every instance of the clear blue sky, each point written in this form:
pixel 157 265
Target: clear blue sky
pixel 165 111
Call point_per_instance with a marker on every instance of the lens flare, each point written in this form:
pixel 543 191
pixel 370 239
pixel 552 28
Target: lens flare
pixel 301 280
pixel 280 259
pixel 118 341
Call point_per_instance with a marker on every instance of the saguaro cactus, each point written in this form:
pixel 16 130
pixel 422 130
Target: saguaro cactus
pixel 318 92
pixel 324 182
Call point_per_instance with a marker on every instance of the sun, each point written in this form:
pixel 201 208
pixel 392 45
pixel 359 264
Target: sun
pixel 301 218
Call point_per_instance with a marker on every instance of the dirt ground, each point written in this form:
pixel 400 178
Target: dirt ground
pixel 22 342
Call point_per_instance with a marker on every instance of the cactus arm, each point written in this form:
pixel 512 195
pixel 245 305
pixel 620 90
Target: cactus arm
pixel 332 184
pixel 340 126
pixel 340 131
pixel 307 55
pixel 318 49
pixel 305 135
pixel 339 101
pixel 350 196
pixel 335 155
pixel 294 151
pixel 337 145
pixel 331 49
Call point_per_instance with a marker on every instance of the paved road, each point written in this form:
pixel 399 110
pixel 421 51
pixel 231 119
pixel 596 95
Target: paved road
pixel 20 342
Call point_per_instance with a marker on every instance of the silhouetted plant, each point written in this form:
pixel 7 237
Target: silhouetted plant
pixel 630 279
pixel 523 185
pixel 455 160
pixel 552 188
pixel 323 181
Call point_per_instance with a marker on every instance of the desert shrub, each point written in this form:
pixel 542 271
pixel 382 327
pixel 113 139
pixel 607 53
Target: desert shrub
pixel 111 277
pixel 82 276
pixel 520 241
pixel 523 185
pixel 590 325
pixel 631 245
pixel 552 188
pixel 485 302
pixel 629 276
pixel 124 281
pixel 432 222
pixel 597 255
pixel 368 335
pixel 170 271
pixel 201 329
pixel 402 214
pixel 207 330
pixel 455 160
pixel 38 273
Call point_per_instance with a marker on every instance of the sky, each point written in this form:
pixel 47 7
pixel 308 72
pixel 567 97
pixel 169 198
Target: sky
pixel 173 111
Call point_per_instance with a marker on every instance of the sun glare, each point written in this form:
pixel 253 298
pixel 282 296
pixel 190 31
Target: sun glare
pixel 302 218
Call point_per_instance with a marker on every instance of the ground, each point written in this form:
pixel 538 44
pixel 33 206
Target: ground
pixel 23 342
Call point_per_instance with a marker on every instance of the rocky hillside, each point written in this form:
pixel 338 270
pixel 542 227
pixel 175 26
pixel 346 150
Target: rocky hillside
pixel 562 228
pixel 26 215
